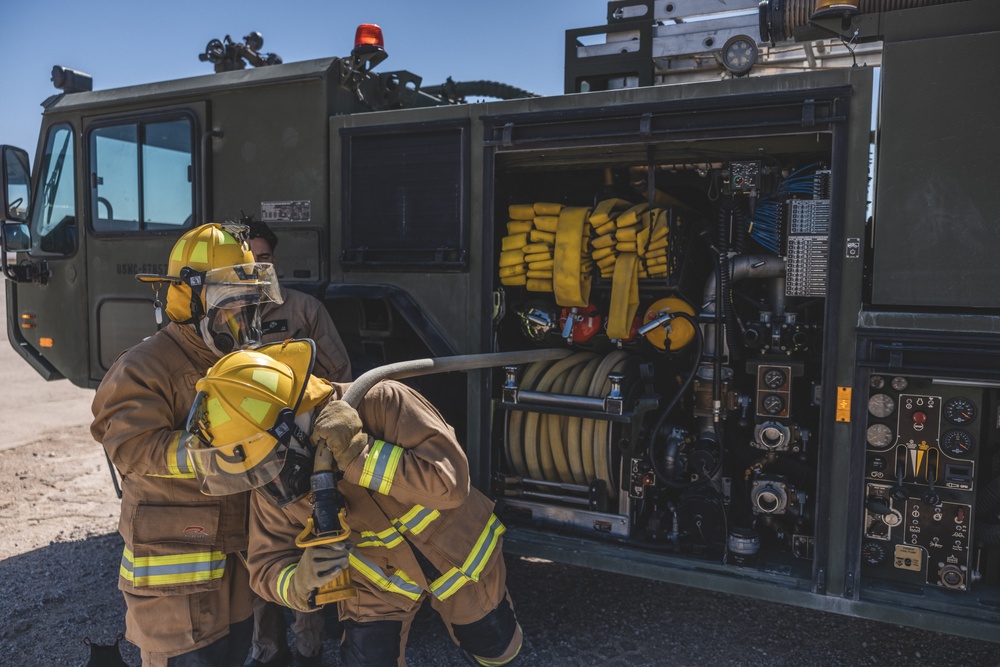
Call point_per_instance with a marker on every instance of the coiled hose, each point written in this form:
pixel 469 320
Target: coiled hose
pixel 457 91
pixel 782 17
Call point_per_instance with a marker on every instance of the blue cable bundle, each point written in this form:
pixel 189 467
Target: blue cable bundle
pixel 765 226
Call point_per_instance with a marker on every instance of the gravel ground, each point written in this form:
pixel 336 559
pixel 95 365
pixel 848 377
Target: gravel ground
pixel 61 555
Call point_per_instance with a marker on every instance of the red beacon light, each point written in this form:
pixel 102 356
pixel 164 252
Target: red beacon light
pixel 369 47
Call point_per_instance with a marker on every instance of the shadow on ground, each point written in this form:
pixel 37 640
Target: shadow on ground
pixel 56 596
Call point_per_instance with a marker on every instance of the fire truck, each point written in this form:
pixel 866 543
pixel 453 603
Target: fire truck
pixel 765 238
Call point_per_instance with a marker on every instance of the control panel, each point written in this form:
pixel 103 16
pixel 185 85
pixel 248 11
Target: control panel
pixel 923 442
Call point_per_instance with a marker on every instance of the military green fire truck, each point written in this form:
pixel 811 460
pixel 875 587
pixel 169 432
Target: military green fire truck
pixel 766 237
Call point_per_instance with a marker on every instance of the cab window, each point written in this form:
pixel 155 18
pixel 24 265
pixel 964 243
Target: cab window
pixel 141 176
pixel 53 219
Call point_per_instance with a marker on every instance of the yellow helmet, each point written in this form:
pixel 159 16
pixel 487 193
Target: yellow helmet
pixel 213 279
pixel 243 417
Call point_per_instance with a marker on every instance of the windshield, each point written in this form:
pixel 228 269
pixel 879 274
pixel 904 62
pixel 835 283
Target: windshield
pixel 53 219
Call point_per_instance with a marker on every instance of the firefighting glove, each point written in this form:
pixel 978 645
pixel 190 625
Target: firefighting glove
pixel 318 565
pixel 338 427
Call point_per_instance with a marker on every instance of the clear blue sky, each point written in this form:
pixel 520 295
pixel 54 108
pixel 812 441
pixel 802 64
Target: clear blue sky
pixel 119 43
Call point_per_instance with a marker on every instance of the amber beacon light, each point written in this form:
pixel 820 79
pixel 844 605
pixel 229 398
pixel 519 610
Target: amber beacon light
pixel 368 38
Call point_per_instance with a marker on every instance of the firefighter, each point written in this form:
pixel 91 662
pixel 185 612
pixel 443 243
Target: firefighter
pixel 298 316
pixel 187 593
pixel 417 527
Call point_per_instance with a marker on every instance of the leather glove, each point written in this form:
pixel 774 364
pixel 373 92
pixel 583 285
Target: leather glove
pixel 318 565
pixel 338 427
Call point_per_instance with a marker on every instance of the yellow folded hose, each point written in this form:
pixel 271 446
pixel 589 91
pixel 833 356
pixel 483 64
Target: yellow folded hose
pixel 545 208
pixel 571 283
pixel 624 296
pixel 521 212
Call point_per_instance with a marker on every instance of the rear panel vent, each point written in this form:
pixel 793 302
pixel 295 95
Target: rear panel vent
pixel 406 194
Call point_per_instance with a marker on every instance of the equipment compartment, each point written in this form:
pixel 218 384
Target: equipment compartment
pixel 688 421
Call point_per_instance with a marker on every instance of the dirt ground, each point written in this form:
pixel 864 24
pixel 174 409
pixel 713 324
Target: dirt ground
pixel 60 551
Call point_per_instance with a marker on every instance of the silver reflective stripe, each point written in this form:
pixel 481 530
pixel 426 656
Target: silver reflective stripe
pixel 388 538
pixel 452 580
pixel 380 467
pixel 397 583
pixel 416 520
pixel 172 570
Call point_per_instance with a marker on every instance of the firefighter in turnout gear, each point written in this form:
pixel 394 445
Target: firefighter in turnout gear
pixel 298 316
pixel 418 529
pixel 187 592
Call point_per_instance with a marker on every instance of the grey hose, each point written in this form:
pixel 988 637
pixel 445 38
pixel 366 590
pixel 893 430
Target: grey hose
pixel 415 367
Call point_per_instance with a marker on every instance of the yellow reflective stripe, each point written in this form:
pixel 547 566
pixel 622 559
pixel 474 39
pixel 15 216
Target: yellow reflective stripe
pixel 177 460
pixel 172 570
pixel 380 466
pixel 388 538
pixel 416 520
pixel 493 663
pixel 446 585
pixel 282 585
pixel 397 583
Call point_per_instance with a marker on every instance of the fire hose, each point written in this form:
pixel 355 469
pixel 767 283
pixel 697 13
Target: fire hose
pixel 328 522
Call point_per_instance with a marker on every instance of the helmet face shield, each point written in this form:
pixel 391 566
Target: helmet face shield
pixel 226 468
pixel 232 295
pixel 242 431
pixel 252 283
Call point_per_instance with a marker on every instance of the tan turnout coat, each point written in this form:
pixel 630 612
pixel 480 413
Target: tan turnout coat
pixel 178 541
pixel 408 489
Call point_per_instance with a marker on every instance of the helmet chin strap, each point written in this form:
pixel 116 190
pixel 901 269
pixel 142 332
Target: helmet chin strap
pixel 293 481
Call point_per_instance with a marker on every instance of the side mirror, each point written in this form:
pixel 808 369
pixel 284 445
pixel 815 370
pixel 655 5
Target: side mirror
pixel 15 236
pixel 16 177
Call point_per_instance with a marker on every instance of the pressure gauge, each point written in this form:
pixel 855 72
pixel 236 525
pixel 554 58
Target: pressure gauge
pixel 774 378
pixel 959 410
pixel 881 405
pixel 879 436
pixel 877 382
pixel 773 404
pixel 899 383
pixel 873 552
pixel 957 443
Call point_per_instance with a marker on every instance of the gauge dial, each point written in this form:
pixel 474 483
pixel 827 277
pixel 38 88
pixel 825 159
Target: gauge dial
pixel 881 405
pixel 957 443
pixel 774 378
pixel 877 382
pixel 959 410
pixel 873 552
pixel 879 436
pixel 773 404
pixel 899 383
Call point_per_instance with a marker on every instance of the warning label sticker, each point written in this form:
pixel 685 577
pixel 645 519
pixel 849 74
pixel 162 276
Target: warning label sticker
pixel 286 211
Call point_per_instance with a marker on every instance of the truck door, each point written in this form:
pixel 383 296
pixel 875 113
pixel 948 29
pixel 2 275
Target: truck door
pixel 46 305
pixel 141 194
pixel 112 194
